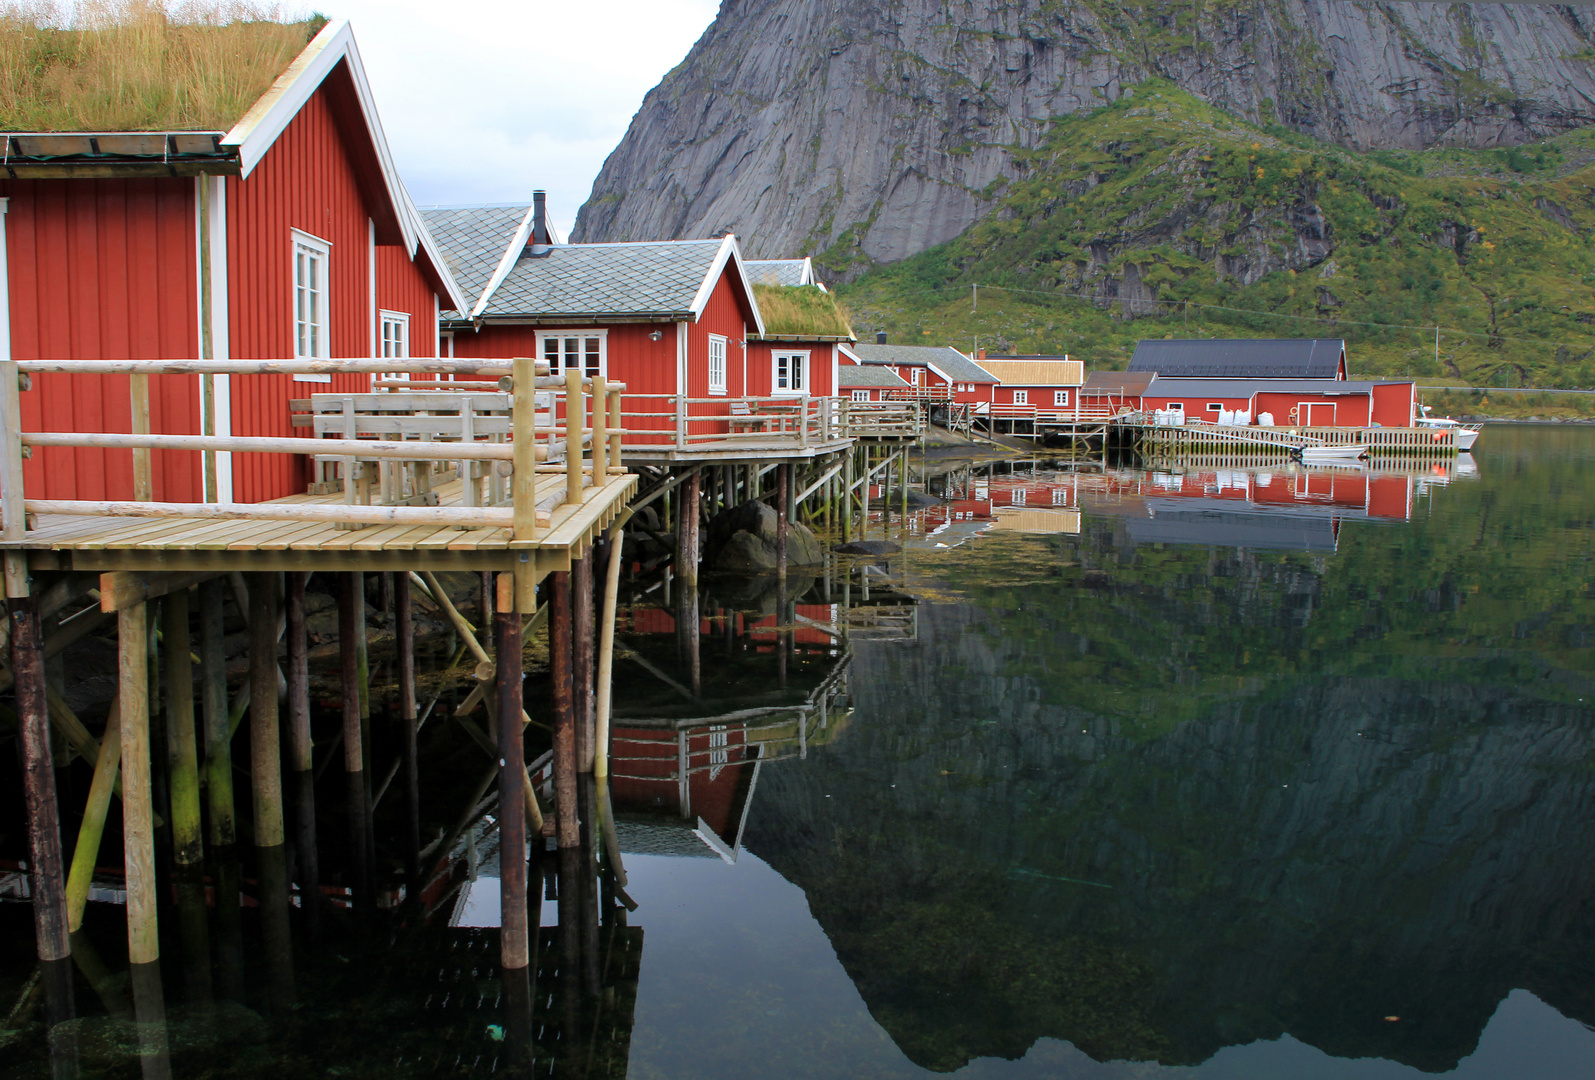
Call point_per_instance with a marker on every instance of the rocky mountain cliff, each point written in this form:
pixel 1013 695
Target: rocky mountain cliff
pixel 888 128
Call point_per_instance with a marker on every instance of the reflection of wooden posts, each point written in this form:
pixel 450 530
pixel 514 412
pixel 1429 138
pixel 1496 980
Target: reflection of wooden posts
pixel 229 926
pixel 138 828
pixel 193 920
pixel 44 821
pixel 589 887
pixel 265 753
pixel 571 1042
pixel 404 632
pixel 218 729
pixel 847 495
pixel 581 621
pixel 559 663
pixel 514 945
pixel 149 1006
pixel 353 749
pixel 301 750
pixel 182 753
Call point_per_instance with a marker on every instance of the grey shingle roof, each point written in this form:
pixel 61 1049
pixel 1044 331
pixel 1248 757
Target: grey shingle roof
pixel 473 239
pixel 862 375
pixel 1257 358
pixel 779 272
pixel 658 279
pixel 958 367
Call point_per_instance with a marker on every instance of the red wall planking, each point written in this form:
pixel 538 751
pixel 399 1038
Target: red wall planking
pixel 761 366
pixel 402 287
pixel 104 269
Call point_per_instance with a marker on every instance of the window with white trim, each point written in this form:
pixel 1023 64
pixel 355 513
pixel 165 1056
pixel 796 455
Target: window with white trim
pixel 860 395
pixel 917 374
pixel 1060 496
pixel 790 374
pixel 585 350
pixel 395 335
pixel 312 259
pixel 1215 406
pixel 1060 398
pixel 1021 397
pixel 717 363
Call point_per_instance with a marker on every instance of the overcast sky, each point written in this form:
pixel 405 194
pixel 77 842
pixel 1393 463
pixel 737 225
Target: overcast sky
pixel 485 101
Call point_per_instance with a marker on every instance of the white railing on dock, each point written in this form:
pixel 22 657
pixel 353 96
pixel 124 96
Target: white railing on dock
pixel 591 424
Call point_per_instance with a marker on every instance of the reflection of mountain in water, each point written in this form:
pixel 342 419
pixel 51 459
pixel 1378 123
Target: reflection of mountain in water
pixel 1306 854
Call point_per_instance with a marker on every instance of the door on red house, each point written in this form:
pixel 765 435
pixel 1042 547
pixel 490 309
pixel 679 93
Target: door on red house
pixel 1317 414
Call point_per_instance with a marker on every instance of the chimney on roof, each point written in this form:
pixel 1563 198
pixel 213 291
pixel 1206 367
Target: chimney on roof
pixel 982 356
pixel 880 337
pixel 540 234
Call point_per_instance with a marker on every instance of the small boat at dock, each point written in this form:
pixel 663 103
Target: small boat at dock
pixel 1467 434
pixel 1331 455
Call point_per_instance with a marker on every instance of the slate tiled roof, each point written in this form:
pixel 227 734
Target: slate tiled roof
pixel 780 272
pixel 1254 358
pixel 849 376
pixel 658 279
pixel 959 368
pixel 473 239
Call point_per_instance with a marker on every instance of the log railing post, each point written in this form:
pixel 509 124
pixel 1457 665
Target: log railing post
pixel 575 425
pixel 600 450
pixel 524 420
pixel 616 429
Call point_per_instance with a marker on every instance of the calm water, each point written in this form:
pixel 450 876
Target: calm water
pixel 1191 771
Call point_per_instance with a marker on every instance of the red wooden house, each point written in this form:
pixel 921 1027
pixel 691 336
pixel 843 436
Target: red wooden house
pixel 1032 385
pixel 1288 402
pixel 289 235
pixel 667 318
pixel 801 346
pixel 868 382
pixel 934 373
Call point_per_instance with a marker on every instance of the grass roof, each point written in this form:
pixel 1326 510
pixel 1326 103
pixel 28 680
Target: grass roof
pixel 800 311
pixel 140 65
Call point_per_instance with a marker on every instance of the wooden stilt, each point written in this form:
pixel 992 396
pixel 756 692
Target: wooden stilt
pixel 138 827
pixel 301 750
pixel 783 490
pixel 353 753
pixel 44 819
pixel 92 828
pixel 218 727
pixel 581 620
pixel 606 653
pixel 404 631
pixel 559 638
pixel 265 753
pixel 514 941
pixel 188 848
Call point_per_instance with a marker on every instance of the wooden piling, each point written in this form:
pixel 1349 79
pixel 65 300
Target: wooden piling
pixel 44 819
pixel 265 753
pixel 783 490
pixel 218 727
pixel 687 533
pixel 353 752
pixel 514 940
pixel 559 642
pixel 138 811
pixel 404 632
pixel 581 602
pixel 188 848
pixel 606 648
pixel 92 829
pixel 301 748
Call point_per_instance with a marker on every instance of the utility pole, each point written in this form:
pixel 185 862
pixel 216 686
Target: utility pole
pixel 1437 348
pixel 974 298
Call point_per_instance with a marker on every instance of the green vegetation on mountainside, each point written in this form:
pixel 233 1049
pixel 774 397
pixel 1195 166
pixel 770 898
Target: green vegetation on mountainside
pixel 1147 217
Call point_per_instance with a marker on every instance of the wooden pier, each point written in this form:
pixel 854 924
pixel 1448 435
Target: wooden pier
pixel 1198 436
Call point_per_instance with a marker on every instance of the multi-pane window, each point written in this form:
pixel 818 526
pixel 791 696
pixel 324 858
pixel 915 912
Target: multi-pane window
pixel 860 395
pixel 791 373
pixel 584 351
pixel 395 335
pixel 1060 398
pixel 1021 397
pixel 717 364
pixel 312 338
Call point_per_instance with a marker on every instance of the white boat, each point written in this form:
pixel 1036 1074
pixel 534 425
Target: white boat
pixel 1331 455
pixel 1467 434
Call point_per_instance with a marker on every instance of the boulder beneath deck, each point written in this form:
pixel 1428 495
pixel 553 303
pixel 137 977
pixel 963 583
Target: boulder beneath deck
pixel 742 540
pixel 868 547
pixel 916 500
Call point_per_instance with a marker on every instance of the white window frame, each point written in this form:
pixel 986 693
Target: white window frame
pixel 717 372
pixel 395 334
pixel 792 368
pixel 1021 397
pixel 1060 399
pixel 563 350
pixel 917 376
pixel 315 323
pixel 860 395
pixel 1215 406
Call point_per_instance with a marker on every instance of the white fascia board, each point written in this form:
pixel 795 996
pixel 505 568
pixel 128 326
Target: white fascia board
pixel 270 116
pixel 506 263
pixel 852 356
pixel 426 241
pixel 946 378
pixel 808 272
pixel 728 252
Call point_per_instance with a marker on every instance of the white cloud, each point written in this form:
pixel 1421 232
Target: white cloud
pixel 485 101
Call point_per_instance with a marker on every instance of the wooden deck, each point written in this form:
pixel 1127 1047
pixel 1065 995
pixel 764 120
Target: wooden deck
pixel 730 449
pixel 62 542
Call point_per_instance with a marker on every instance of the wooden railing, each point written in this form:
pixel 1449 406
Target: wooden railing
pixel 877 419
pixel 591 423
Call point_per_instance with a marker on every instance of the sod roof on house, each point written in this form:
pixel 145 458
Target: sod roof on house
pixel 126 65
pixel 802 312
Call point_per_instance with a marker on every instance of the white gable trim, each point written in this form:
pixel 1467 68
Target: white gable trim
pixel 270 116
pixel 427 242
pixel 728 251
pixel 506 263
